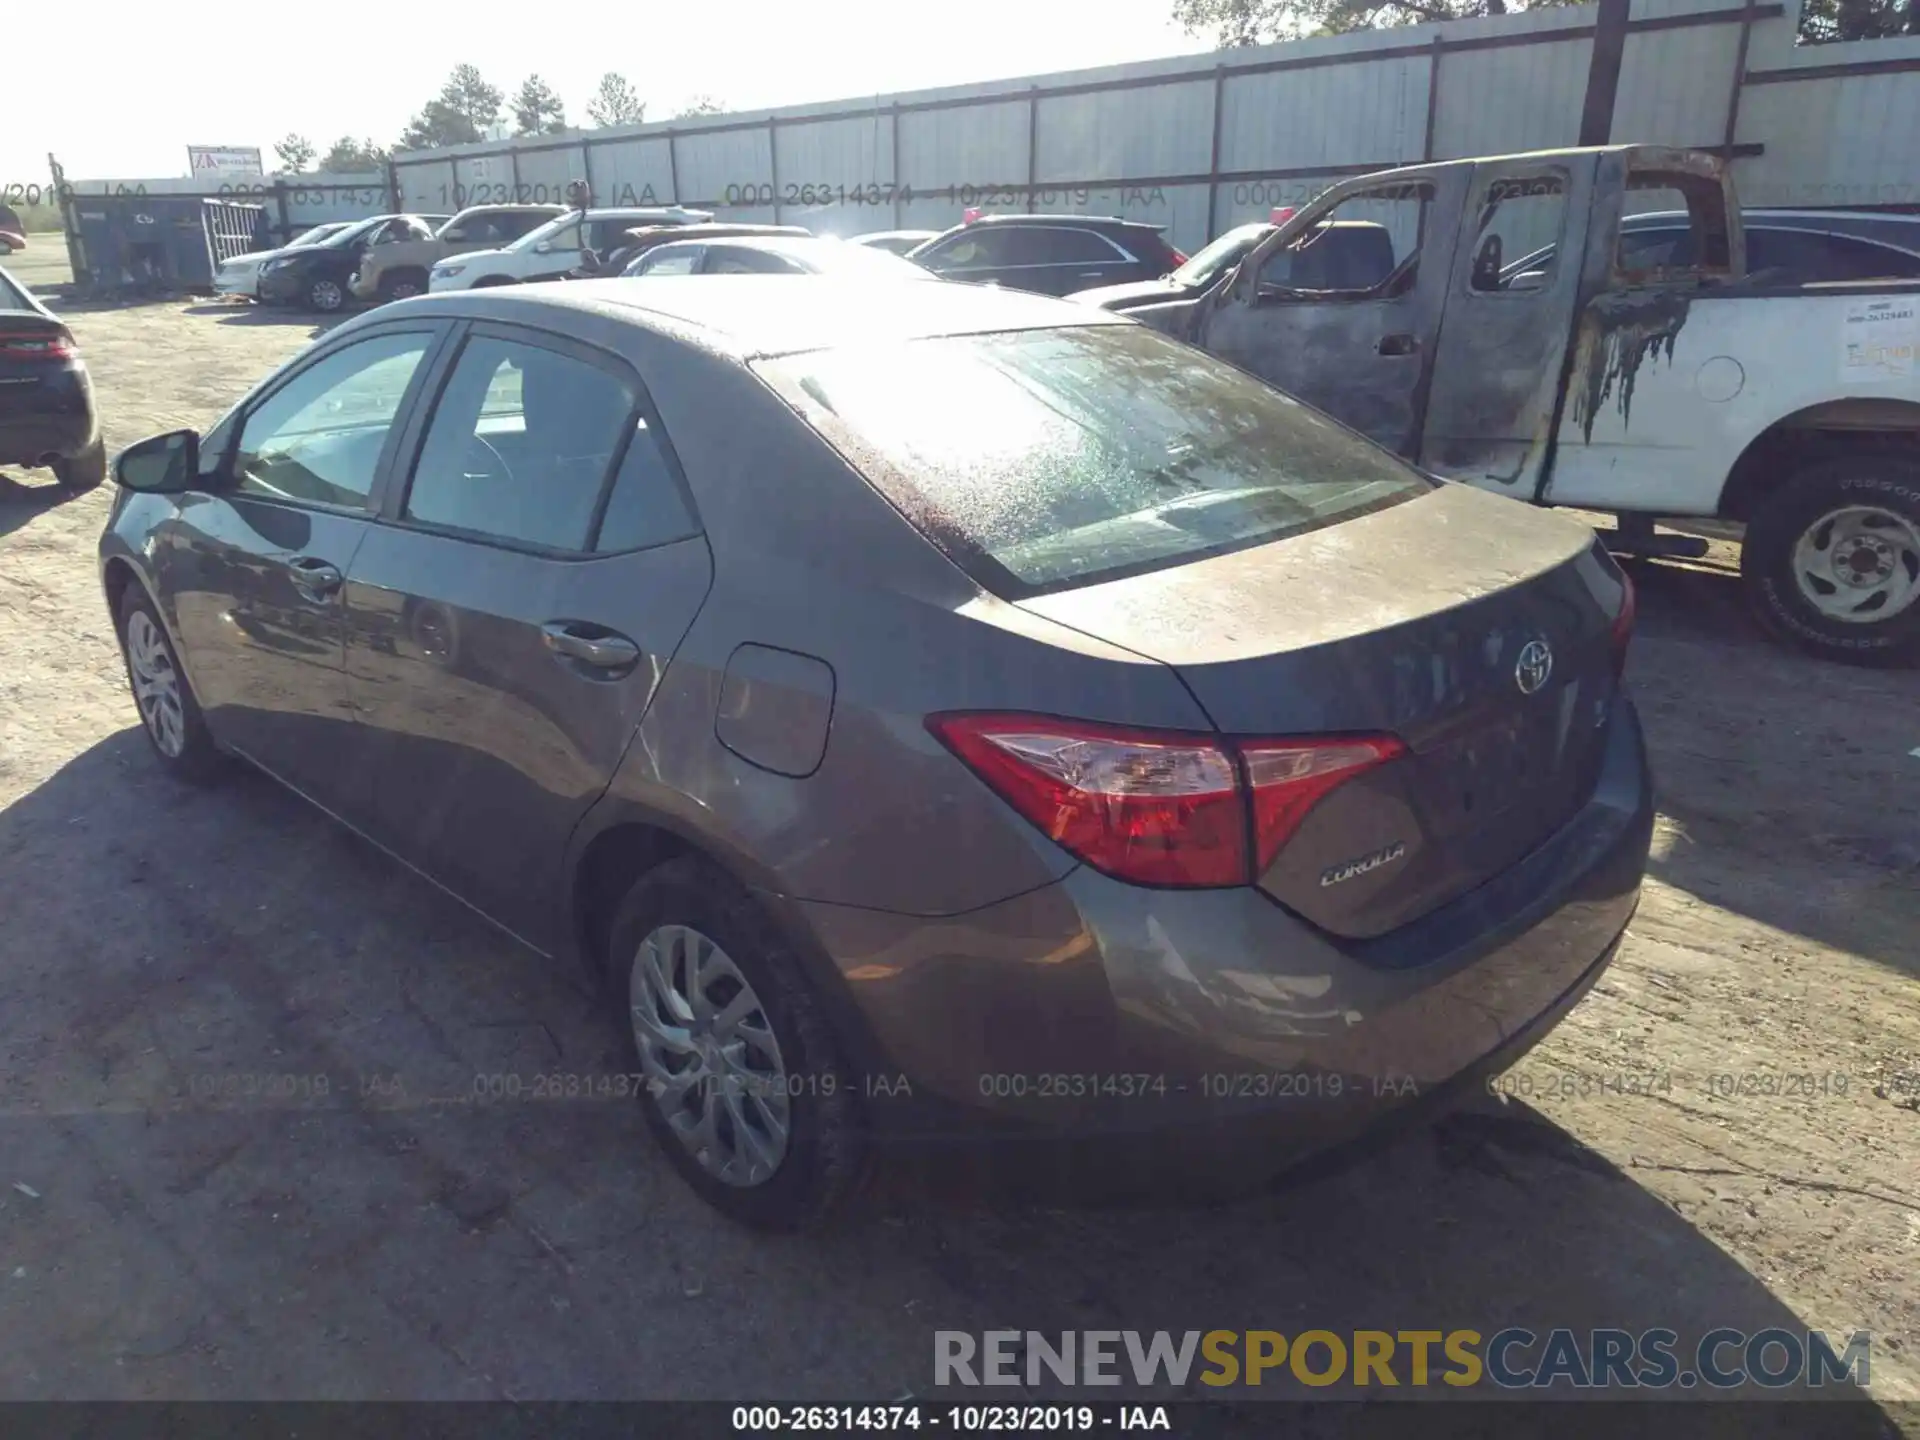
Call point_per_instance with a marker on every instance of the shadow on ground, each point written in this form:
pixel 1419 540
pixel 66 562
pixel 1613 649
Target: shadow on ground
pixel 1790 782
pixel 251 1078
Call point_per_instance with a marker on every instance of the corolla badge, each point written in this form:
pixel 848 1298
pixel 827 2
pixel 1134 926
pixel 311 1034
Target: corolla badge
pixel 1386 854
pixel 1533 667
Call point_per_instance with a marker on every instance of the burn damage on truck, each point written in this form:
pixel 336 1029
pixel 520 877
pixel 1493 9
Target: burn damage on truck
pixel 1619 332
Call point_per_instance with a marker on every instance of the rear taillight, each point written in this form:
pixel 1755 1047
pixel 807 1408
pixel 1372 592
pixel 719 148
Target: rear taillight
pixel 1288 778
pixel 38 346
pixel 1179 259
pixel 1156 807
pixel 1621 635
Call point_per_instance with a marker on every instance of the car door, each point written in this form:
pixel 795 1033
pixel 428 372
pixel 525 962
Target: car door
pixel 1354 339
pixel 1504 332
pixel 1060 259
pixel 532 573
pixel 555 255
pixel 254 563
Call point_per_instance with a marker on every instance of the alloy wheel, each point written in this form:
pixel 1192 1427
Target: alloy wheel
pixel 711 1060
pixel 156 685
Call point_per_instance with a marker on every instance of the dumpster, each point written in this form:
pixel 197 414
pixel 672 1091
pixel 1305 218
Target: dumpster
pixel 152 243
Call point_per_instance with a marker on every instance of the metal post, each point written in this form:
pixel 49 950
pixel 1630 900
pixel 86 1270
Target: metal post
pixel 586 165
pixel 897 221
pixel 280 204
pixel 1739 79
pixel 513 168
pixel 1603 71
pixel 1433 96
pixel 76 248
pixel 1213 157
pixel 394 198
pixel 673 167
pixel 1033 143
pixel 773 162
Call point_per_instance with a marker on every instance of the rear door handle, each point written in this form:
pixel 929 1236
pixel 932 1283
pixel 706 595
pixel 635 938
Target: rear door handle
pixel 1398 344
pixel 590 644
pixel 314 578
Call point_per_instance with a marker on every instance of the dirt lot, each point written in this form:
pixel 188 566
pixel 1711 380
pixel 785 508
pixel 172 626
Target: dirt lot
pixel 155 1242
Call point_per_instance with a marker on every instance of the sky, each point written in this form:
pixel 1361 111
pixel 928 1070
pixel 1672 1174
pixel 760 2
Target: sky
pixel 153 86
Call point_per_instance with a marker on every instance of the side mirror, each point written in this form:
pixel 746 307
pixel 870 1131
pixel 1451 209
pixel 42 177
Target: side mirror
pixel 159 465
pixel 543 247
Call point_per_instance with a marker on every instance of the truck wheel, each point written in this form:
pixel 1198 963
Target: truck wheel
pixel 1831 560
pixel 84 471
pixel 402 285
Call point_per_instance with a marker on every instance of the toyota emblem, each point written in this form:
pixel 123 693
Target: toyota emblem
pixel 1533 667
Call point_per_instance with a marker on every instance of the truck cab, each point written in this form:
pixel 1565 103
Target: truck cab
pixel 1525 341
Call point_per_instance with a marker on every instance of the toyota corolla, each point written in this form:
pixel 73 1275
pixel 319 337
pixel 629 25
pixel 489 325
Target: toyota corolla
pixel 930 712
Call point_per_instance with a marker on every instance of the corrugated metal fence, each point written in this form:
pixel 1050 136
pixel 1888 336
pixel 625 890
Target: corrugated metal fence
pixel 1200 143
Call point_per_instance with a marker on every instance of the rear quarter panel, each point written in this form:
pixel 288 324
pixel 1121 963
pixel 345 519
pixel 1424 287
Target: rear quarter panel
pixel 1667 392
pixel 810 559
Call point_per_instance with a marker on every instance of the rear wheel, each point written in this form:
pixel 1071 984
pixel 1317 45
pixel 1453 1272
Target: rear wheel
pixel 84 471
pixel 743 1086
pixel 326 296
pixel 1831 560
pixel 168 711
pixel 403 285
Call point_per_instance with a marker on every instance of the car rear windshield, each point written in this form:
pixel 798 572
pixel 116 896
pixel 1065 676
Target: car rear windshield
pixel 1046 459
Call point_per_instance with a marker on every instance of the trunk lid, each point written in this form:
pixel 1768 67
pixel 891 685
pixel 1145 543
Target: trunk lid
pixel 1425 621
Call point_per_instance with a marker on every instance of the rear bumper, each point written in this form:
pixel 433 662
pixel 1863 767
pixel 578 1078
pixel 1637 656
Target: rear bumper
pixel 1202 1026
pixel 50 415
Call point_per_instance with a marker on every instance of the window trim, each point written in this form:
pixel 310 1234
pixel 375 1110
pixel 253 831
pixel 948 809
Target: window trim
pixel 1463 279
pixel 640 406
pixel 1422 192
pixel 436 332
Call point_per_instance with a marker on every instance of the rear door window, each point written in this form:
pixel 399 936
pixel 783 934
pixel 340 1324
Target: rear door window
pixel 1046 459
pixel 669 260
pixel 520 445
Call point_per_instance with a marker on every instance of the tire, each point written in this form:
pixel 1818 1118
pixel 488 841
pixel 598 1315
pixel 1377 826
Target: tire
pixel 326 296
pixel 402 285
pixel 143 640
pixel 823 1164
pixel 85 471
pixel 1854 516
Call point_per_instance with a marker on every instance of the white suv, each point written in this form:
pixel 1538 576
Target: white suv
pixel 551 251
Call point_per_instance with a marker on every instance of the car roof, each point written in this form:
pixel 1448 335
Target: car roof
pixel 718 230
pixel 751 316
pixel 1089 221
pixel 513 209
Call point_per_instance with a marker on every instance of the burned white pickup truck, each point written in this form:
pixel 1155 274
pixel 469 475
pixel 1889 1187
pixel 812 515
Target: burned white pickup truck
pixel 1516 337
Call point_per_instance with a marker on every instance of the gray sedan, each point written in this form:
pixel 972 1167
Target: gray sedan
pixel 928 712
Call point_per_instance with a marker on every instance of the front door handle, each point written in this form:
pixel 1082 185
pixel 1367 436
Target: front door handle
pixel 314 578
pixel 1398 344
pixel 590 644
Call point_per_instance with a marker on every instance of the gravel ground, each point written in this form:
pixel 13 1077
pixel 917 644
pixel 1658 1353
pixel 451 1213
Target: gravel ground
pixel 391 1239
